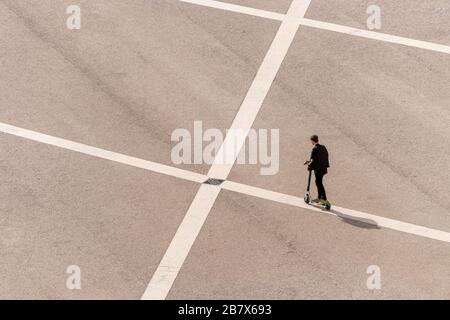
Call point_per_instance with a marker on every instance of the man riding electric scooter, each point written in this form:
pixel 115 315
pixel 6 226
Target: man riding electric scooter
pixel 319 164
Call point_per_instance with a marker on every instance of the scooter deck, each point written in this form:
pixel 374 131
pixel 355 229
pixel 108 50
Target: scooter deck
pixel 318 205
pixel 322 206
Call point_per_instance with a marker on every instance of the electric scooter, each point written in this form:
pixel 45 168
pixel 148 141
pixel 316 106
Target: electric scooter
pixel 307 198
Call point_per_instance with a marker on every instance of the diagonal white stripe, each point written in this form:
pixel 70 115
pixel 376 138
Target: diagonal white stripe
pixel 237 8
pixel 252 103
pixel 227 185
pixel 181 244
pixel 376 35
pixel 179 248
pixel 326 26
pixel 339 211
pixel 101 153
pixel 167 271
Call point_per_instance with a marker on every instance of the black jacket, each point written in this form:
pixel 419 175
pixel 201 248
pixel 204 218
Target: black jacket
pixel 319 157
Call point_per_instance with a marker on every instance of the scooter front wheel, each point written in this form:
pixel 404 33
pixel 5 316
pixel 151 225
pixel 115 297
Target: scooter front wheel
pixel 307 198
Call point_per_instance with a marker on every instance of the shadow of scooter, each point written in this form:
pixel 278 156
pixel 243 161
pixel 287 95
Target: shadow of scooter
pixel 356 221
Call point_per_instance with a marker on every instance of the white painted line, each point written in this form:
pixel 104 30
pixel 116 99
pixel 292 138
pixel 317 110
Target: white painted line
pixel 326 26
pixel 238 8
pixel 181 244
pixel 227 185
pixel 252 103
pixel 376 35
pixel 338 211
pixel 101 153
pixel 167 271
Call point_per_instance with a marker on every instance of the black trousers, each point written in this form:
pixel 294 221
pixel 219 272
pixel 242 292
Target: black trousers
pixel 319 183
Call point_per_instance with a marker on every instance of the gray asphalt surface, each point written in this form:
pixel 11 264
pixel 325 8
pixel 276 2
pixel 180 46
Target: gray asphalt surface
pixel 139 69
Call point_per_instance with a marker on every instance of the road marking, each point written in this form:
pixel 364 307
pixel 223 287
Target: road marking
pixel 252 103
pixel 237 8
pixel 208 193
pixel 195 217
pixel 181 244
pixel 339 212
pixel 168 269
pixel 376 35
pixel 326 26
pixel 101 153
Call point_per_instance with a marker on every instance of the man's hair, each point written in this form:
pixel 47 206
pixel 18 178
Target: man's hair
pixel 315 138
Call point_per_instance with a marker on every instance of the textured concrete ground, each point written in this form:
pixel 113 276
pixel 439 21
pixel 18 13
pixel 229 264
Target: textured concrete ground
pixel 139 69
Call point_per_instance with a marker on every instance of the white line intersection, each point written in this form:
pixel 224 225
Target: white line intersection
pixel 179 248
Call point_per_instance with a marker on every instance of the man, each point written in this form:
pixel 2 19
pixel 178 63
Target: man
pixel 319 164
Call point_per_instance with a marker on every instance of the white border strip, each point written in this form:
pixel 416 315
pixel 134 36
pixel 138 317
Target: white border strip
pixel 376 35
pixel 237 8
pixel 326 26
pixel 338 211
pixel 101 153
